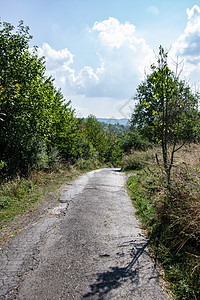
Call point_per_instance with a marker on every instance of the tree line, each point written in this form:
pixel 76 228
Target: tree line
pixel 37 125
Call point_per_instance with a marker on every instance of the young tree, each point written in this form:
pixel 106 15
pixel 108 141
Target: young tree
pixel 167 111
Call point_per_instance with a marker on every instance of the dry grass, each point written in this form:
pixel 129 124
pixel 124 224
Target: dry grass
pixel 182 202
pixel 172 216
pixel 185 189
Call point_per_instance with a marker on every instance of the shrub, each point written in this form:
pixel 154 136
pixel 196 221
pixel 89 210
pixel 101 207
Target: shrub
pixel 134 141
pixel 137 160
pixel 86 164
pixel 54 157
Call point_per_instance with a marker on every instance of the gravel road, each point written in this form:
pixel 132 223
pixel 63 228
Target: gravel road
pixel 90 246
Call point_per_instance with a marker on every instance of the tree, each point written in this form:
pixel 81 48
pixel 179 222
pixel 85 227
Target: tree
pixel 32 111
pixel 96 135
pixel 167 111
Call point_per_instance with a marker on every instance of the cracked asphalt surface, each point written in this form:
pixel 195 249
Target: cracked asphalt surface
pixel 89 246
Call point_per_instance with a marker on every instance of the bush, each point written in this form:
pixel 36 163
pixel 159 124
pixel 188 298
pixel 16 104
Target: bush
pixel 41 158
pixel 54 158
pixel 113 153
pixel 137 160
pixel 86 164
pixel 134 141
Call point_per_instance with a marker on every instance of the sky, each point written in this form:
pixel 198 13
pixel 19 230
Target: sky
pixel 99 51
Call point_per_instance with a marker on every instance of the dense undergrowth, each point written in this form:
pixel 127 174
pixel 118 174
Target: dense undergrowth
pixel 171 215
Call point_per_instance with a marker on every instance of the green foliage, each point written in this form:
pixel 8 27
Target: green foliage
pixel 87 164
pixel 145 209
pixel 38 128
pixel 167 110
pixel 135 161
pixel 82 147
pixel 96 135
pixel 54 158
pixel 11 195
pixel 2 165
pixel 94 141
pixel 133 140
pixel 118 129
pixel 21 194
pixel 113 153
pixel 33 112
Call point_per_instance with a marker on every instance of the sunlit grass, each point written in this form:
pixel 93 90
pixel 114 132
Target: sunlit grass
pixel 21 194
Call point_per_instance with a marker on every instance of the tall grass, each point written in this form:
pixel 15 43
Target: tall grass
pixel 136 160
pixel 171 216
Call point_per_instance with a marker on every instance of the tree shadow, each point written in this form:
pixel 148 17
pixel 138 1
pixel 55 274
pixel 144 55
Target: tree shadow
pixel 116 276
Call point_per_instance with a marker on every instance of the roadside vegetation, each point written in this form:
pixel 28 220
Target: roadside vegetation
pixel 164 183
pixel 41 138
pixel 171 217
pixel 23 199
pixel 38 127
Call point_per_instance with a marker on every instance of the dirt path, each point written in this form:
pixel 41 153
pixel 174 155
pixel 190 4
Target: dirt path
pixel 90 246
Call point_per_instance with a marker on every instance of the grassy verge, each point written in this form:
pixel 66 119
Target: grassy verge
pixel 23 200
pixel 172 218
pixel 18 195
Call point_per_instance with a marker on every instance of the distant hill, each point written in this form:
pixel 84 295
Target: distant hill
pixel 114 121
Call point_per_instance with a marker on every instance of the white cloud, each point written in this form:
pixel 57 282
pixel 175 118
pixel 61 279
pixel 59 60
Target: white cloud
pixel 55 59
pixel 188 44
pixel 113 34
pixel 86 80
pixel 122 59
pixel 59 65
pixel 189 41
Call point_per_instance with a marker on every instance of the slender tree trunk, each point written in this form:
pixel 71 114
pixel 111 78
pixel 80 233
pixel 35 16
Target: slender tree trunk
pixel 164 140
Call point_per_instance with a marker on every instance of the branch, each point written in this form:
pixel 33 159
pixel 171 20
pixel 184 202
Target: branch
pixel 180 146
pixel 177 64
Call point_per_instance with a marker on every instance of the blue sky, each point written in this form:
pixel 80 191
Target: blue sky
pixel 99 50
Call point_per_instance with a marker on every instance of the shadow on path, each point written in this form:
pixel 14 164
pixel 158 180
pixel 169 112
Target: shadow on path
pixel 117 276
